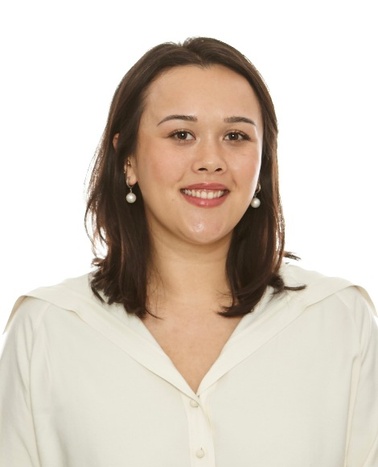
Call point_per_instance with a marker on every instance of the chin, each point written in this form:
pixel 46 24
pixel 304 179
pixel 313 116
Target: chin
pixel 206 237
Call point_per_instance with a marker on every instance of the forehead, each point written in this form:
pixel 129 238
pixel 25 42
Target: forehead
pixel 215 86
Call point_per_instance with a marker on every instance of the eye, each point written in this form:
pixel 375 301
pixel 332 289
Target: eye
pixel 181 135
pixel 237 136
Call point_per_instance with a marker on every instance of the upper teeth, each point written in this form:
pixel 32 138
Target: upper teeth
pixel 204 194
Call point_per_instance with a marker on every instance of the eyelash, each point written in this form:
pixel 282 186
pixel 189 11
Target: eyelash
pixel 175 134
pixel 244 136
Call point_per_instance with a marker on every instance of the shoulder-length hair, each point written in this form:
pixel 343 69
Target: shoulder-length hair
pixel 257 245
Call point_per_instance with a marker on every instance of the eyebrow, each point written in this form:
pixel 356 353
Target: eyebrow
pixel 238 119
pixel 187 118
pixel 191 118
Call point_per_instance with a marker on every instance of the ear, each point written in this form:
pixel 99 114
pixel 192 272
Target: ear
pixel 115 140
pixel 129 164
pixel 129 170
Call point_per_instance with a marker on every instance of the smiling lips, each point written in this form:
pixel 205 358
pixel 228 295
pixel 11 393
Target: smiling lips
pixel 205 195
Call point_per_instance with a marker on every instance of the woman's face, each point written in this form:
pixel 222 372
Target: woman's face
pixel 198 154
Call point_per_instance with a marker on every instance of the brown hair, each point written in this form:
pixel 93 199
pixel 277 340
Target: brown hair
pixel 257 246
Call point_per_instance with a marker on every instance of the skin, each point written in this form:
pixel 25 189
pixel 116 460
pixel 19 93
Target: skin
pixel 173 153
pixel 191 235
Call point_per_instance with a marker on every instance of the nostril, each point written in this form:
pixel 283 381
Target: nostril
pixel 210 168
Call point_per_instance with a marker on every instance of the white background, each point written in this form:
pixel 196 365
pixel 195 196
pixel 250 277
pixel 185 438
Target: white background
pixel 62 60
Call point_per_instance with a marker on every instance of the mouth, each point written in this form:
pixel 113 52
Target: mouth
pixel 205 194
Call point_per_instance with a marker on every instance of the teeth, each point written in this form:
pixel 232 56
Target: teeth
pixel 204 194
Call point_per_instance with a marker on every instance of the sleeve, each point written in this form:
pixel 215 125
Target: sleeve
pixel 18 447
pixel 362 447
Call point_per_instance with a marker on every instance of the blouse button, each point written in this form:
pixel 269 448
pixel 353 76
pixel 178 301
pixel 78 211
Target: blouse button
pixel 200 453
pixel 193 403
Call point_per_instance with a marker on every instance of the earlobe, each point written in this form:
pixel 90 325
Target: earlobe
pixel 129 172
pixel 128 168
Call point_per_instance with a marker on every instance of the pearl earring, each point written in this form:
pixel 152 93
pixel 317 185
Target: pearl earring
pixel 130 197
pixel 255 203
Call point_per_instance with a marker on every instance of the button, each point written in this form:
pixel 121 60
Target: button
pixel 193 403
pixel 200 453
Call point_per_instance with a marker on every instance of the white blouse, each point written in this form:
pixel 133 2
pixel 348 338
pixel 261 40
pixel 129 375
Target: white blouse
pixel 83 384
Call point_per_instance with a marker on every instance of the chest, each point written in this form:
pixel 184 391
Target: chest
pixel 192 345
pixel 126 406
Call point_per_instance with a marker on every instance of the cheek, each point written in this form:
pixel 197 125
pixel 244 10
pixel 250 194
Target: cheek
pixel 249 170
pixel 249 179
pixel 158 164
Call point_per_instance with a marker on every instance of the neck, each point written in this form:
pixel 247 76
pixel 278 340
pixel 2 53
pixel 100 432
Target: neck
pixel 192 277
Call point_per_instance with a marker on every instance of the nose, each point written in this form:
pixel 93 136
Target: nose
pixel 209 158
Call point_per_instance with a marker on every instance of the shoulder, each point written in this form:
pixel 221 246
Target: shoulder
pixel 71 294
pixel 321 290
pixel 334 297
pixel 78 287
pixel 332 303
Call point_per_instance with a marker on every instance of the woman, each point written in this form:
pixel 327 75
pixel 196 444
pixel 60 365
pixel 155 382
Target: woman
pixel 192 342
